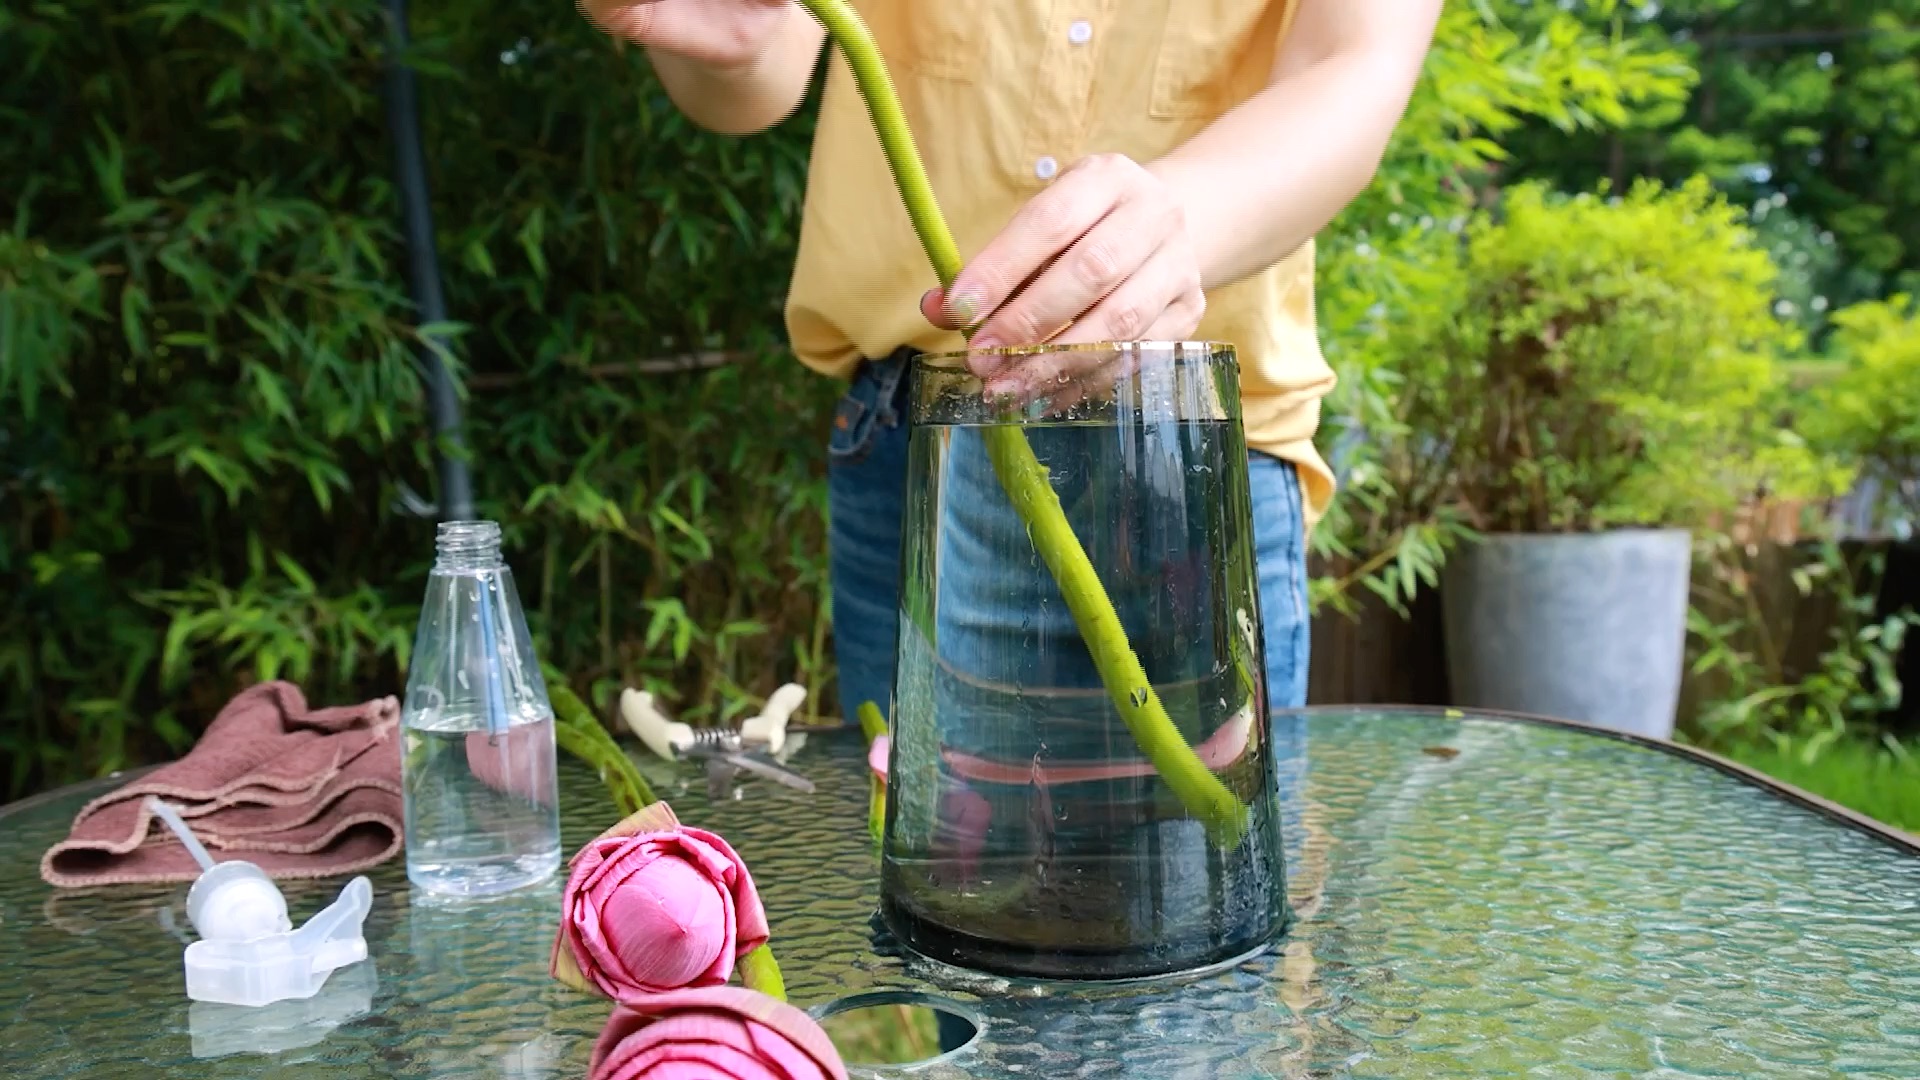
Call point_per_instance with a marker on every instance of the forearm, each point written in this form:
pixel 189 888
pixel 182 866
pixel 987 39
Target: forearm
pixel 1263 179
pixel 751 97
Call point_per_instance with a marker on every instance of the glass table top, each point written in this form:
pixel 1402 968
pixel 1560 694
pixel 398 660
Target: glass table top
pixel 1476 896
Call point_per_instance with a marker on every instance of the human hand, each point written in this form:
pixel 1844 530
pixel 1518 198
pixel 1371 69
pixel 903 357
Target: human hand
pixel 719 33
pixel 1101 255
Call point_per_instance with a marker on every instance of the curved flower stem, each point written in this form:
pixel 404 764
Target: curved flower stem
pixel 760 971
pixel 579 733
pixel 873 722
pixel 1025 478
pixel 874 725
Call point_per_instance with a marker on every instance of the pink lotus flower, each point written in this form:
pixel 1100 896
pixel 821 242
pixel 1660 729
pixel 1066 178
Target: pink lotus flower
pixel 717 1033
pixel 652 905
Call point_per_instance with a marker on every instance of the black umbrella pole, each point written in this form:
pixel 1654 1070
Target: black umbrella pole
pixel 423 268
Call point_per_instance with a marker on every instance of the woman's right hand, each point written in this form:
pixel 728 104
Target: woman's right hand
pixel 723 34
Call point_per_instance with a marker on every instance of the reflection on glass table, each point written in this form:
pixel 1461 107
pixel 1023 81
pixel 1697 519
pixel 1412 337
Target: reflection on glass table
pixel 1476 896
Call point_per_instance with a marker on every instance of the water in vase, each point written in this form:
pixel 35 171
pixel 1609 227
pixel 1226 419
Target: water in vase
pixel 1027 834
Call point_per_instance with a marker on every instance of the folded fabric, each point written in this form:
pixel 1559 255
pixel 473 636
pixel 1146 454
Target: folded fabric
pixel 300 792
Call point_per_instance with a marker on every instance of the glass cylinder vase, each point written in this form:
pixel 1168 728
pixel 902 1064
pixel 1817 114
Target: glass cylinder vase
pixel 1082 783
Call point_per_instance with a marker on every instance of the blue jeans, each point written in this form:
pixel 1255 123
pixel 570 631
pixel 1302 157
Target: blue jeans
pixel 867 479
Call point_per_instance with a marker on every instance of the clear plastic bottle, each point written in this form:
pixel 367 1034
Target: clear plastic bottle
pixel 478 765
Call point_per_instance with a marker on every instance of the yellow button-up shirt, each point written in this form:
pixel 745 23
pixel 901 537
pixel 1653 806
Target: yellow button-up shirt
pixel 1001 96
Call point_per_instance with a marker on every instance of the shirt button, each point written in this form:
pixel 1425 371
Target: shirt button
pixel 1080 32
pixel 1046 168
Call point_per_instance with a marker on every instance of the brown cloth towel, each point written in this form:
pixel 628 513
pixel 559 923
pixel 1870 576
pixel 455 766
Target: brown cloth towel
pixel 300 792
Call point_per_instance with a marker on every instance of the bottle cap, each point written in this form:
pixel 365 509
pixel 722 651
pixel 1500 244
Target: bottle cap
pixel 236 901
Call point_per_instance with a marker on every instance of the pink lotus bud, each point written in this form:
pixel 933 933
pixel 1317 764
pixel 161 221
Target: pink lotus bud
pixel 653 905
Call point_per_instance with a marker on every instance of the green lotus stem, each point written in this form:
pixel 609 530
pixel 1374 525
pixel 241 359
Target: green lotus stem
pixel 760 971
pixel 579 733
pixel 873 722
pixel 1025 478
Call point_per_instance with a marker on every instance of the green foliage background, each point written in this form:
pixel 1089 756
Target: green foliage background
pixel 1599 362
pixel 1808 111
pixel 209 409
pixel 211 420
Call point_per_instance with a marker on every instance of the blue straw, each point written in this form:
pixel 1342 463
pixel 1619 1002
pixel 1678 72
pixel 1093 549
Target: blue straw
pixel 497 721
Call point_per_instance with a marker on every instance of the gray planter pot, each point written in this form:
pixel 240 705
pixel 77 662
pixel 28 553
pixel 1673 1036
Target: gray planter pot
pixel 1587 627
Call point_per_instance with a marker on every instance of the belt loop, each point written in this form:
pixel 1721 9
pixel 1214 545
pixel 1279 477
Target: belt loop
pixel 890 375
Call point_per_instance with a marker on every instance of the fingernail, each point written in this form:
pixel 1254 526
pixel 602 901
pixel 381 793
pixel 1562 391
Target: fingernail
pixel 964 308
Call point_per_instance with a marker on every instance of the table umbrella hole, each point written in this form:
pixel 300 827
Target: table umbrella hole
pixel 898 1028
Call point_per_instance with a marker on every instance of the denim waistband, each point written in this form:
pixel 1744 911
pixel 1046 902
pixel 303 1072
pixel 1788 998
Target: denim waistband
pixel 875 401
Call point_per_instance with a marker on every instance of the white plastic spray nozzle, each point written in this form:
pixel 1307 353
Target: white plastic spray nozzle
pixel 185 835
pixel 280 967
pixel 230 901
pixel 248 952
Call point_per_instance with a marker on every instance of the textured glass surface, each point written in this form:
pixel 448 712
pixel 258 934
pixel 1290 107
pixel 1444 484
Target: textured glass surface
pixel 1474 898
pixel 1031 832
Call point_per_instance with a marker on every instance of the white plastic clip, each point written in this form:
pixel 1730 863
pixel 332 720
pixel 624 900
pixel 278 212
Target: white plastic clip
pixel 769 729
pixel 662 736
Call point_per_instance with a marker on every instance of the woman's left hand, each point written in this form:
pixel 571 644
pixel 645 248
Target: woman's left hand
pixel 1101 255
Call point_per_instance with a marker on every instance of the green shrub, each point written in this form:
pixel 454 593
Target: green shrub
pixel 1862 416
pixel 1605 361
pixel 1870 412
pixel 1742 629
pixel 1390 261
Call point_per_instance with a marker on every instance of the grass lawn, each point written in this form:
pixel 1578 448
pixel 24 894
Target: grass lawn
pixel 1863 776
pixel 884 1035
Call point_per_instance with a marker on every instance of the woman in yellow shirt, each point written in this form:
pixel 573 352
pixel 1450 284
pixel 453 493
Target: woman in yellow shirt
pixel 1114 169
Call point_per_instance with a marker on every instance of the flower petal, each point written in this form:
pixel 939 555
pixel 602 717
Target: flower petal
pixel 750 915
pixel 777 1049
pixel 668 927
pixel 657 817
pixel 770 1019
pixel 716 1040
